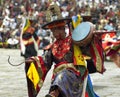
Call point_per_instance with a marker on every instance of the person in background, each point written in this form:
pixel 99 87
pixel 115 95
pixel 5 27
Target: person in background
pixel 29 43
pixel 29 39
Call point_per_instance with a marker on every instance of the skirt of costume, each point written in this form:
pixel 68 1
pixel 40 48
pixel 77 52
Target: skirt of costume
pixel 70 84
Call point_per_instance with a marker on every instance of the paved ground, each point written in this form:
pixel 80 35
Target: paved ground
pixel 13 82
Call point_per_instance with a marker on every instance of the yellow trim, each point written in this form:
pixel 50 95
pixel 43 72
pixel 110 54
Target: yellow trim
pixel 28 41
pixel 98 60
pixel 64 66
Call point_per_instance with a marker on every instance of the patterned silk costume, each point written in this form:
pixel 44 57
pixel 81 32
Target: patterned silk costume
pixel 70 70
pixel 70 73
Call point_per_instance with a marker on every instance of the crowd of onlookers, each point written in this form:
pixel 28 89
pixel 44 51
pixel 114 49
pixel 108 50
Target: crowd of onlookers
pixel 105 13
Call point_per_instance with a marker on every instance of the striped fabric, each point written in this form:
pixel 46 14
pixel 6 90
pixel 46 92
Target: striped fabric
pixel 97 54
pixel 36 73
pixel 89 89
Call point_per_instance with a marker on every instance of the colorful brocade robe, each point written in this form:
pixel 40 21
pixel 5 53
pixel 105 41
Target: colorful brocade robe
pixel 64 57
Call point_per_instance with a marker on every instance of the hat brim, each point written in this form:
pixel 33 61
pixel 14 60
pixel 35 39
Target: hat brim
pixel 57 23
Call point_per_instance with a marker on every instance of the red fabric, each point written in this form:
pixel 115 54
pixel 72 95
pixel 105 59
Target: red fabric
pixel 109 44
pixel 86 94
pixel 61 47
pixel 107 39
pixel 39 64
pixel 42 66
pixel 111 35
pixel 97 44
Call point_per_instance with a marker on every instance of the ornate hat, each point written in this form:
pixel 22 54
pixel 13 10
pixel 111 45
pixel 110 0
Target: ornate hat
pixel 54 17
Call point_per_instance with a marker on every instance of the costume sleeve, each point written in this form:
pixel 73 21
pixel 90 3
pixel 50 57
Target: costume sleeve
pixel 97 54
pixel 37 71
